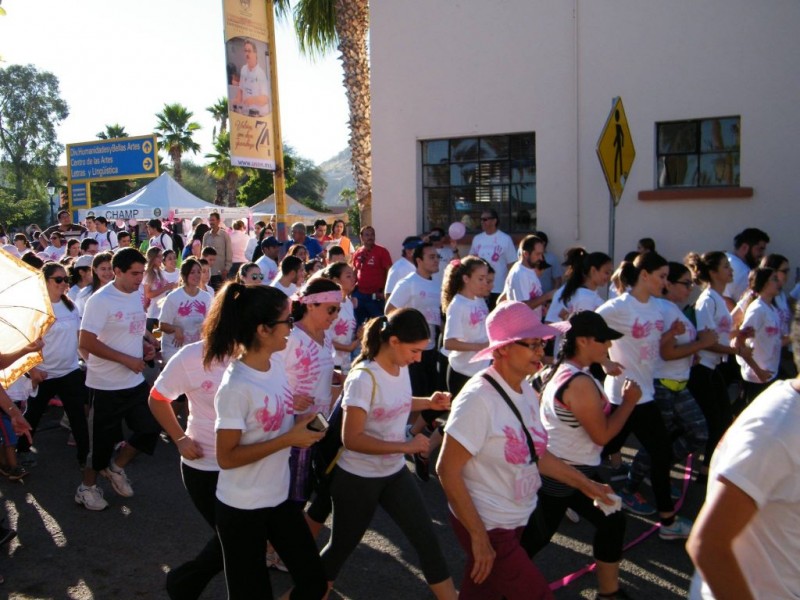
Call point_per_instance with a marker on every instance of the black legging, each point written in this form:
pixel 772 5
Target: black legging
pixel 71 389
pixel 543 523
pixel 646 424
pixel 711 392
pixel 188 581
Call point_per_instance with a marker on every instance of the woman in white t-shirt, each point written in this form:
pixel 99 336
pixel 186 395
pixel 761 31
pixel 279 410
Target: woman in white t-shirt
pixel 309 368
pixel 577 416
pixel 345 333
pixel 587 273
pixel 186 376
pixel 205 277
pixel 706 381
pixel 637 315
pixel 155 285
pixel 494 450
pixel 679 346
pixel 184 311
pixel 466 312
pixel 256 429
pixel 59 373
pixel 80 276
pixel 762 316
pixel 785 305
pixel 371 471
pixel 102 274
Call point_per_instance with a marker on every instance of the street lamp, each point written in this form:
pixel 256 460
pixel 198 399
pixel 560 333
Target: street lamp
pixel 51 190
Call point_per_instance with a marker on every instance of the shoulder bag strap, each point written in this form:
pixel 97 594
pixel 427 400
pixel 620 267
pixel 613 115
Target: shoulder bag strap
pixel 504 396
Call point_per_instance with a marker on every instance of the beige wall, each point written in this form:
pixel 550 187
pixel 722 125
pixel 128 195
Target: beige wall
pixel 457 68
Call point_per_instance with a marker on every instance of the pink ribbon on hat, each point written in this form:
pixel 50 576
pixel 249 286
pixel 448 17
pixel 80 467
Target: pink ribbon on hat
pixel 333 297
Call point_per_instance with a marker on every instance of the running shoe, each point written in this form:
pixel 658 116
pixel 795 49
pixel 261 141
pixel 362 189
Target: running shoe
pixel 15 473
pixel 636 503
pixel 679 530
pixel 27 459
pixel 619 473
pixel 91 497
pixel 119 481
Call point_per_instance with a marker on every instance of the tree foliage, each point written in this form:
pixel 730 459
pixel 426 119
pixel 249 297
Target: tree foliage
pixel 30 110
pixel 175 131
pixel 226 174
pixel 18 214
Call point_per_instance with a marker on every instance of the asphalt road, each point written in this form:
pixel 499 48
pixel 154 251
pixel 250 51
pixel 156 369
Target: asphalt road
pixel 64 551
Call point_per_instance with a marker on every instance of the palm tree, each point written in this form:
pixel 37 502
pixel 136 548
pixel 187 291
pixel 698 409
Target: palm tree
pixel 220 167
pixel 219 110
pixel 175 130
pixel 112 132
pixel 321 26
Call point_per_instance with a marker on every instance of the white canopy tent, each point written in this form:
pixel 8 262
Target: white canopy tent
pixel 295 211
pixel 163 198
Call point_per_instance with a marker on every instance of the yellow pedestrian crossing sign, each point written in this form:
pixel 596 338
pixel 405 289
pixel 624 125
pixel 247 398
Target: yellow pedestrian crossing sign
pixel 615 150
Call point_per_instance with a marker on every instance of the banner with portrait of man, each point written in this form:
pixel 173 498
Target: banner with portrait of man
pixel 249 98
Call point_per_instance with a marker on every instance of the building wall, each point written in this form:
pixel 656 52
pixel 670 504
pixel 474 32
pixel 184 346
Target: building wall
pixel 452 68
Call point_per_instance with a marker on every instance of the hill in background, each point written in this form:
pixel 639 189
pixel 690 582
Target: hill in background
pixel 339 175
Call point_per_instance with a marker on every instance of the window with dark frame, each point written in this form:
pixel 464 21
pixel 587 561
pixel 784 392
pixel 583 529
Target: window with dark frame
pixel 698 153
pixel 461 177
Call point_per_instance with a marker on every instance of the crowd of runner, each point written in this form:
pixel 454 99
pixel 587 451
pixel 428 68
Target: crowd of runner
pixel 296 378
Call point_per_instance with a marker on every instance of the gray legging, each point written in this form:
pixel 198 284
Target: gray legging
pixel 355 500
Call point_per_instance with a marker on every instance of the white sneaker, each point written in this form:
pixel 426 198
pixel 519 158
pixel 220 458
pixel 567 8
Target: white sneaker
pixel 119 481
pixel 90 497
pixel 679 530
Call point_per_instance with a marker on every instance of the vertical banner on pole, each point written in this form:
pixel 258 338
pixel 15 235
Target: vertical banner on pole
pixel 247 55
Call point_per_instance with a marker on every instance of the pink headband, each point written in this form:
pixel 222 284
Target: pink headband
pixel 333 297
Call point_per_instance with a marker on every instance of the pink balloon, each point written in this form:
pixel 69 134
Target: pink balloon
pixel 457 230
pixel 120 223
pixel 132 222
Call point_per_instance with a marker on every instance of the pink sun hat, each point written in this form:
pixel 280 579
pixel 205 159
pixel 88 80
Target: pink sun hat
pixel 514 321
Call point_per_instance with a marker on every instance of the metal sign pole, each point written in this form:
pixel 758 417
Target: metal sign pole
pixel 612 211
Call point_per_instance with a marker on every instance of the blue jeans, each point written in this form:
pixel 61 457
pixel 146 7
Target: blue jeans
pixel 368 307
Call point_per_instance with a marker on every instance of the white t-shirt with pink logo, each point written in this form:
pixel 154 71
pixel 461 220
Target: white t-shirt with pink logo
pixel 679 368
pixel 500 477
pixel 499 250
pixel 765 319
pixel 309 368
pixel 466 322
pixel 523 285
pixel 414 291
pixel 343 330
pixel 184 311
pixel 269 269
pixel 387 416
pixel 712 313
pixel 259 404
pixel 641 324
pixel 118 320
pixel 185 374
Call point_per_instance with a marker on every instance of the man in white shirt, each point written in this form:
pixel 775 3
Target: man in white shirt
pixel 113 337
pixel 552 276
pixel 749 248
pixel 495 247
pixel 106 239
pixel 268 262
pixel 745 541
pixel 523 282
pixel 402 267
pixel 291 275
pixel 253 96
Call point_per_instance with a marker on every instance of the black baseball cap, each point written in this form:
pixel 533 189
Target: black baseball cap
pixel 269 242
pixel 588 323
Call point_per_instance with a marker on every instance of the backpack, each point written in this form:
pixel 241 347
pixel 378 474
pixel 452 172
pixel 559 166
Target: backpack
pixel 690 312
pixel 327 451
pixel 177 243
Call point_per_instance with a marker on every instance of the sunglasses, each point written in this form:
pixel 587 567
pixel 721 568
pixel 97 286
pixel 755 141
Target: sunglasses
pixel 332 310
pixel 534 346
pixel 54 238
pixel 257 276
pixel 289 322
pixel 59 279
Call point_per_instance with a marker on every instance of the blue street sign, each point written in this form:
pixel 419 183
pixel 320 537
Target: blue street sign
pixel 107 160
pixel 78 195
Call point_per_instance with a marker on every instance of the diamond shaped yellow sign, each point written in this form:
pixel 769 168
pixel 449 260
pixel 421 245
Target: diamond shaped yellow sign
pixel 615 150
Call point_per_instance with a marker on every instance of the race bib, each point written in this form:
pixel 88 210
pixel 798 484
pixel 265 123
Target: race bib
pixel 526 483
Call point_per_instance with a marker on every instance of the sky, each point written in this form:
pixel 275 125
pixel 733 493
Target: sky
pixel 121 61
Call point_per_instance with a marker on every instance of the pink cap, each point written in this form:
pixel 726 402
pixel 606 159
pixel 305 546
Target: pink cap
pixel 514 321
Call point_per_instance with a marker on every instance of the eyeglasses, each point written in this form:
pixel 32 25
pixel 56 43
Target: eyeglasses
pixel 534 346
pixel 257 276
pixel 59 279
pixel 54 238
pixel 288 322
pixel 332 310
pixel 487 218
pixel 688 284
